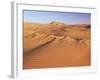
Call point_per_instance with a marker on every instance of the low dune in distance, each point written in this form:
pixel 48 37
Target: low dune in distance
pixel 56 45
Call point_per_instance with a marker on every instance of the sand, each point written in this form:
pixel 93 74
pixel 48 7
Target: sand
pixel 48 46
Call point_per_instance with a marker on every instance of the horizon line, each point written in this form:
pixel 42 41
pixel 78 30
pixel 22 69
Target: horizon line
pixel 56 21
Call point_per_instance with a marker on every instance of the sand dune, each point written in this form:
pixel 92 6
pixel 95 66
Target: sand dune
pixel 56 45
pixel 38 41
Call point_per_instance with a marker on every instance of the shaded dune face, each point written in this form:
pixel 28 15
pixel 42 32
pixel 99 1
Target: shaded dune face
pixel 49 45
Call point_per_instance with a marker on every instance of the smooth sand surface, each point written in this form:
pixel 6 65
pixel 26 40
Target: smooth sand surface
pixel 65 46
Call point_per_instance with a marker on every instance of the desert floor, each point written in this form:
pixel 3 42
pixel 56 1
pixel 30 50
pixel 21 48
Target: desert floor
pixel 56 45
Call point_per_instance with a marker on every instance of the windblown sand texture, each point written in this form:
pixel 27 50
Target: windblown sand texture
pixel 56 45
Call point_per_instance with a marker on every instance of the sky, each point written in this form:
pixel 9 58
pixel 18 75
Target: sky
pixel 49 16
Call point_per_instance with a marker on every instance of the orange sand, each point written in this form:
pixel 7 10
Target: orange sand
pixel 68 46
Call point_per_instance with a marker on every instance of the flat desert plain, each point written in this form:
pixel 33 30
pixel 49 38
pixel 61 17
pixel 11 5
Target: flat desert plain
pixel 56 45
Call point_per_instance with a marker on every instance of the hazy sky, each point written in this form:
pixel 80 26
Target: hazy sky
pixel 66 17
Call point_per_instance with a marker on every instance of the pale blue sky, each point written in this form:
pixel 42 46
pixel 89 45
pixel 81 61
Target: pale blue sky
pixel 48 16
